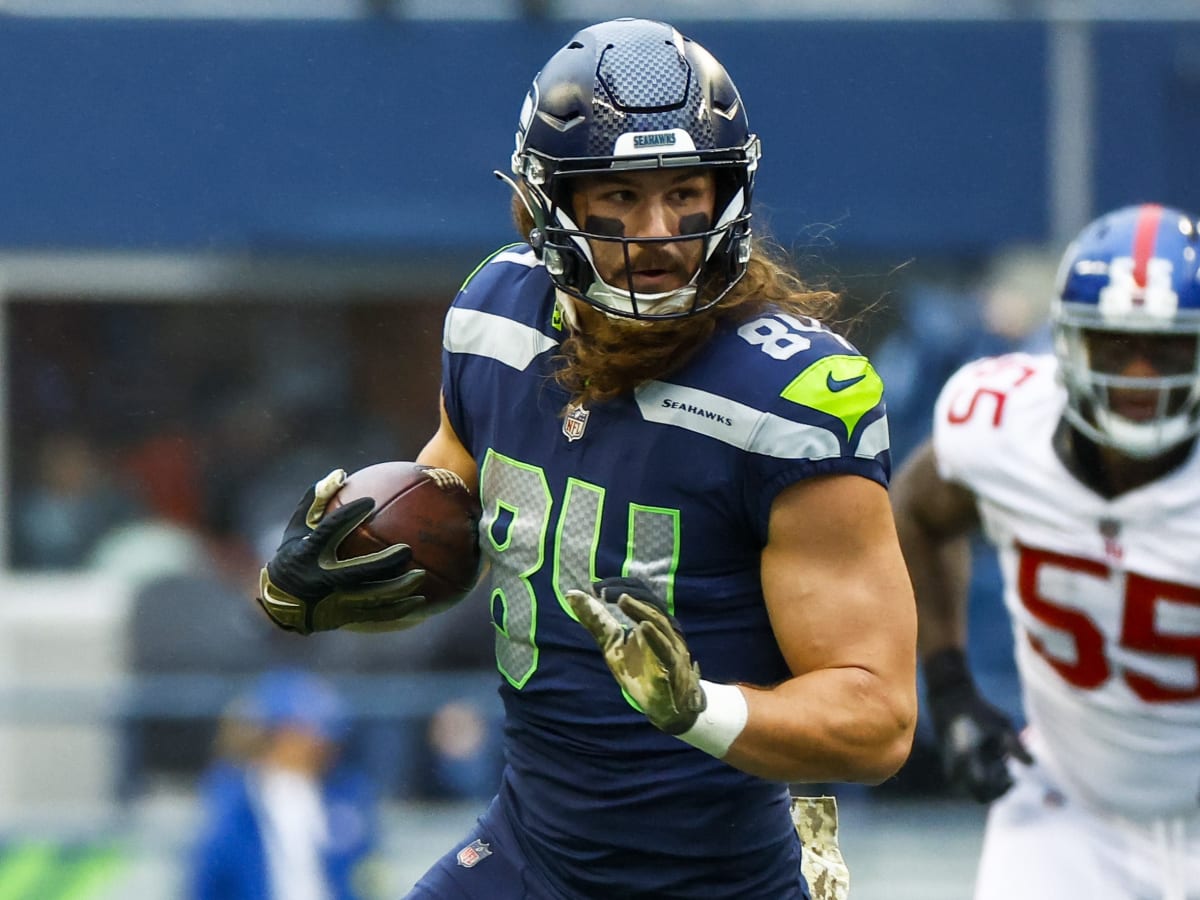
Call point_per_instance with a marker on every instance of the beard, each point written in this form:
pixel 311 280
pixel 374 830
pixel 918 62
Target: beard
pixel 607 357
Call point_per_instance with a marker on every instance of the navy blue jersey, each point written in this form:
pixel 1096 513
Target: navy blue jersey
pixel 672 484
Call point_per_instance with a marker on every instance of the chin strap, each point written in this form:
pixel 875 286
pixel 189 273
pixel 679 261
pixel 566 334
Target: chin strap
pixel 677 301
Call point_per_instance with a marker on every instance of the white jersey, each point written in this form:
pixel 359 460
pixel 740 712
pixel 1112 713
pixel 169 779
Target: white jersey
pixel 1104 594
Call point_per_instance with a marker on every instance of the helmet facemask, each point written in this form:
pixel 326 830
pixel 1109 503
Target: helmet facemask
pixel 569 250
pixel 1167 414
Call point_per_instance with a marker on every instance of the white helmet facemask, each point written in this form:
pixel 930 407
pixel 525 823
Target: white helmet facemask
pixel 1090 410
pixel 681 300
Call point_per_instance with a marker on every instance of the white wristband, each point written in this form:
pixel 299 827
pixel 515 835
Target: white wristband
pixel 722 720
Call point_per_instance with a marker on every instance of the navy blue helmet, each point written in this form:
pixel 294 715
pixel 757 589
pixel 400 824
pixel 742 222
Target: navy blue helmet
pixel 1131 274
pixel 635 94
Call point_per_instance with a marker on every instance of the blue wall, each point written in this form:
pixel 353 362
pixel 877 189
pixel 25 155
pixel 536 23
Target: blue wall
pixel 1148 122
pixel 380 136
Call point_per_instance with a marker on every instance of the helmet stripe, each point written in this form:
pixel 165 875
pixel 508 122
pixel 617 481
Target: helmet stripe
pixel 1144 238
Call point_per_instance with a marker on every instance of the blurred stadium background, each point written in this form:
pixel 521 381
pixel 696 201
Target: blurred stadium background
pixel 228 229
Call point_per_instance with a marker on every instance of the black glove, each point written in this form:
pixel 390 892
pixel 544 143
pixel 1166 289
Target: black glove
pixel 306 588
pixel 644 649
pixel 974 737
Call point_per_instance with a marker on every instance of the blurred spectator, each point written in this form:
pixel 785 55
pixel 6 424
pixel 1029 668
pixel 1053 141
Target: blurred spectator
pixel 464 752
pixel 192 618
pixel 69 506
pixel 165 467
pixel 145 550
pixel 448 747
pixel 282 819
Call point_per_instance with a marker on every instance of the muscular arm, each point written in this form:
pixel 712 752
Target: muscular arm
pixel 841 607
pixel 446 451
pixel 934 519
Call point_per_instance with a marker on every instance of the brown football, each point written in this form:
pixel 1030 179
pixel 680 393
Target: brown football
pixel 429 509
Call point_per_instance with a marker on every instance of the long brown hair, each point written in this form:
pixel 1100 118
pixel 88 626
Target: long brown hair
pixel 612 356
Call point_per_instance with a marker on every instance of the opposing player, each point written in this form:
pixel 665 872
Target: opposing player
pixel 1081 468
pixel 679 464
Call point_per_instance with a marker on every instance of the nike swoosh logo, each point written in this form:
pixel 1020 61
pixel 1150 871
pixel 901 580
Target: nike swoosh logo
pixel 840 384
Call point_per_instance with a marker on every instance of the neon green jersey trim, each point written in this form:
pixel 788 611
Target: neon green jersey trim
pixel 847 387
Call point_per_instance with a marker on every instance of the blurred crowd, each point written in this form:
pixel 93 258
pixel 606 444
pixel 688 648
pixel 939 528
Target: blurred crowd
pixel 168 444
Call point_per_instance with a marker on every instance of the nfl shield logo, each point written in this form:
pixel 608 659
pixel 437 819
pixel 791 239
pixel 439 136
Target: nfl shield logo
pixel 470 855
pixel 575 422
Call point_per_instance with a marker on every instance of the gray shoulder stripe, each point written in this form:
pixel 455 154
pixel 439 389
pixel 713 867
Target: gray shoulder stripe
pixel 785 439
pixel 522 258
pixel 698 411
pixel 875 439
pixel 486 334
pixel 748 428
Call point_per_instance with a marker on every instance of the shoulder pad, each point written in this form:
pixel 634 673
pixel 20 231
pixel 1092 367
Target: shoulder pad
pixel 508 253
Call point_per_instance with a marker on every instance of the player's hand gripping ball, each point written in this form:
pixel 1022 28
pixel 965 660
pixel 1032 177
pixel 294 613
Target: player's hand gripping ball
pixel 380 550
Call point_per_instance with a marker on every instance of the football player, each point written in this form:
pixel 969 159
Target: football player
pixel 1081 468
pixel 695 580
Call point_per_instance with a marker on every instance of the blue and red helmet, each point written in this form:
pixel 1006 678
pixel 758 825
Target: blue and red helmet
pixel 1133 272
pixel 294 699
pixel 635 94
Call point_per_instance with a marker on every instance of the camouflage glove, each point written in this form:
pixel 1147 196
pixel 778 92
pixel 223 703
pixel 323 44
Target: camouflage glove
pixel 974 737
pixel 306 588
pixel 645 650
